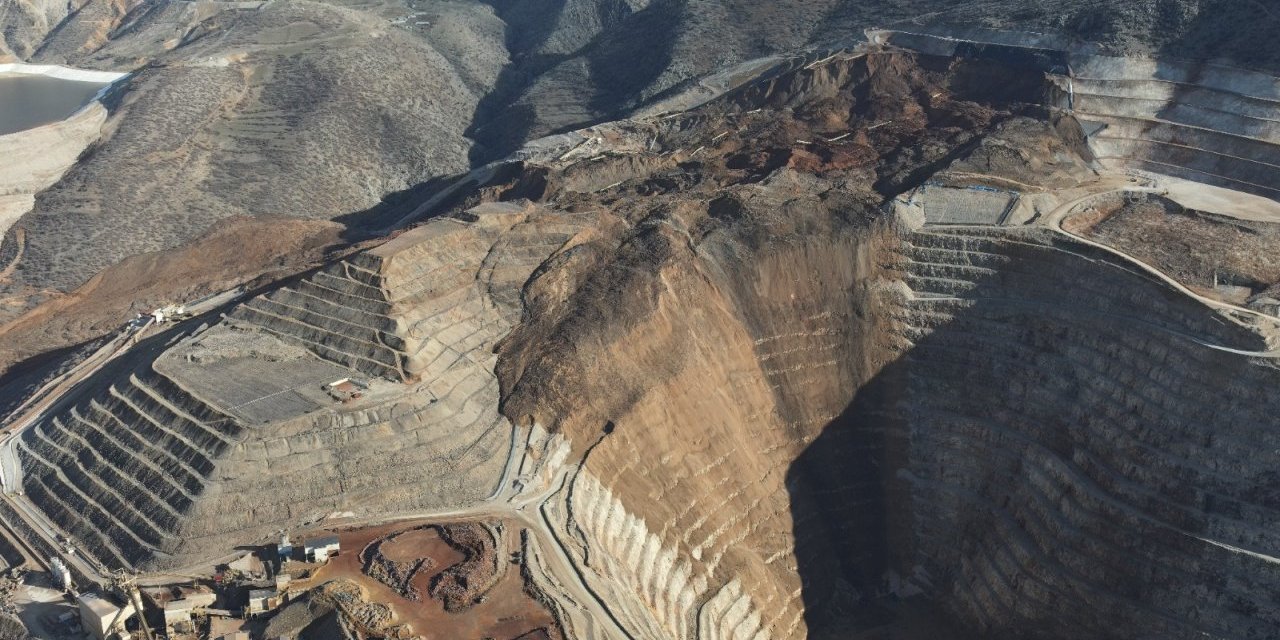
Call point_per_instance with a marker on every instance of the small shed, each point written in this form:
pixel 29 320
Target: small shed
pixel 319 549
pixel 262 601
pixel 346 389
pixel 101 617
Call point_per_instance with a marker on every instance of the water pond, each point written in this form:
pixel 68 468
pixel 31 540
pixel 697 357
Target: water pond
pixel 28 101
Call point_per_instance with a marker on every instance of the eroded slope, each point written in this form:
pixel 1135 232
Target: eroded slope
pixel 230 434
pixel 789 409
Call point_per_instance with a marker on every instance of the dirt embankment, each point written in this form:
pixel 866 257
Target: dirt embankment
pixel 244 251
pixel 454 580
pixel 1223 258
pixel 403 559
pixel 460 563
pixel 465 584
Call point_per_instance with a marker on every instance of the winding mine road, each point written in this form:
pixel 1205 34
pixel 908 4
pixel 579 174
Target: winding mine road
pixel 1055 219
pixel 589 616
pixel 51 398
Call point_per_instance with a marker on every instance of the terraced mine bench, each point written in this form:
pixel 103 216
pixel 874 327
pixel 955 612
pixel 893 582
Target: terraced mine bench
pixel 1201 121
pixel 230 432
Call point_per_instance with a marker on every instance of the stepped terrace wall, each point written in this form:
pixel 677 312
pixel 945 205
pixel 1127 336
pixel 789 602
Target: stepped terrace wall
pixel 1205 123
pixel 1070 454
pixel 120 468
pixel 225 437
pixel 1200 121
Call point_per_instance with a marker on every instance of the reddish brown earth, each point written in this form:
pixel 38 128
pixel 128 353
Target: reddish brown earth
pixel 243 251
pixel 506 613
pixel 419 543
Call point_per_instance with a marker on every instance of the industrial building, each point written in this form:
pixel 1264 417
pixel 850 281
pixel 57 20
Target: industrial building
pixel 262 601
pixel 101 618
pixel 319 549
pixel 179 604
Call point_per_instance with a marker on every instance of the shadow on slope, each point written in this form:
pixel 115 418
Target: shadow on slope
pixel 1051 458
pixel 625 53
pixel 1222 30
pixel 498 125
pixel 627 60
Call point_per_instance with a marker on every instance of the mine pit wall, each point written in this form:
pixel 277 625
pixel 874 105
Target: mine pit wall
pixel 1078 465
pixel 394 459
pixel 146 474
pixel 1199 121
pixel 436 298
pixel 1038 442
pixel 716 377
pixel 118 469
pixel 1207 124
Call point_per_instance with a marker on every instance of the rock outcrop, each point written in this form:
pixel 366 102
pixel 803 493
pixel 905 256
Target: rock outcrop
pixel 791 399
pixel 228 434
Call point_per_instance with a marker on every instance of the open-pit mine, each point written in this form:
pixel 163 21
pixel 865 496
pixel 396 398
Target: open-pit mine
pixel 943 333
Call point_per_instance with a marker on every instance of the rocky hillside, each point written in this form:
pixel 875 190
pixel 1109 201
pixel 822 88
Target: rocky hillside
pixel 810 360
pixel 814 358
pixel 350 110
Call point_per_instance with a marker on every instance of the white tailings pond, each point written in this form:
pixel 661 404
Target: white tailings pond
pixel 30 101
pixel 34 95
pixel 48 115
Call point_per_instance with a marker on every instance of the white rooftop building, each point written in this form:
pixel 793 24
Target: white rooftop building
pixel 101 617
pixel 319 549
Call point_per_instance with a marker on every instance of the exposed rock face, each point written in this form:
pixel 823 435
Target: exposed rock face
pixel 1026 432
pixel 790 407
pixel 245 108
pixel 715 354
pixel 240 252
pixel 185 434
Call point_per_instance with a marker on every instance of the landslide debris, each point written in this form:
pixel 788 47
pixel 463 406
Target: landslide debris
pixel 466 583
pixel 348 111
pixel 336 610
pixel 806 158
pixel 1225 258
